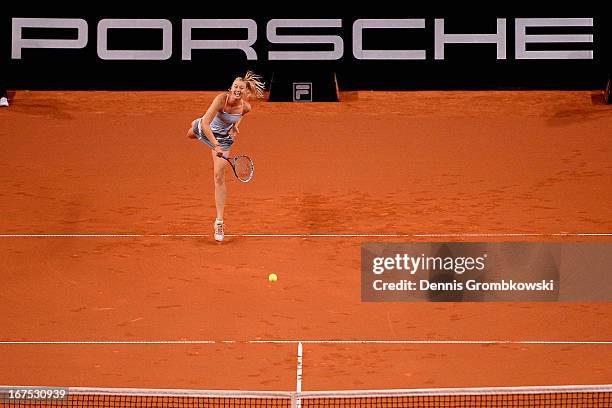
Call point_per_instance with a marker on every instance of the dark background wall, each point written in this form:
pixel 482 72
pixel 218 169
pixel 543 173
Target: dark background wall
pixel 466 66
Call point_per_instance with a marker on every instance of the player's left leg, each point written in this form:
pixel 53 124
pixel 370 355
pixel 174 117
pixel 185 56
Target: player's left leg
pixel 219 165
pixel 190 134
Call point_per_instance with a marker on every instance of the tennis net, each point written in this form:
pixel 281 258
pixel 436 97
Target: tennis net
pixel 555 396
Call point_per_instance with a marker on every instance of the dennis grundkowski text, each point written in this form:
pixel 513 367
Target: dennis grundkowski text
pixel 503 285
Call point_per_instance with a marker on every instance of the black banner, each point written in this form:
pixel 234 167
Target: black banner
pixel 205 48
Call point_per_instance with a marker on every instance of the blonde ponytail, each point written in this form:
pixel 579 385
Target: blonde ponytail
pixel 254 83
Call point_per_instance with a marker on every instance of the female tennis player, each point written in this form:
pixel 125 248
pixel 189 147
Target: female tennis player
pixel 219 127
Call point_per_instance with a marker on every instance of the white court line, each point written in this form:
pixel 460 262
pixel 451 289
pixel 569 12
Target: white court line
pixel 424 235
pixel 299 374
pixel 348 342
pixel 334 342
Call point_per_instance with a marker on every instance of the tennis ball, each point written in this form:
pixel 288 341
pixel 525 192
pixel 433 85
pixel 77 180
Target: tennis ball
pixel 272 277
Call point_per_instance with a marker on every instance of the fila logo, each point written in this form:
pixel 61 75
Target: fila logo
pixel 189 44
pixel 302 92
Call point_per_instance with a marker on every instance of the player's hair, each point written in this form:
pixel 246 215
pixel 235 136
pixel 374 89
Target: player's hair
pixel 254 83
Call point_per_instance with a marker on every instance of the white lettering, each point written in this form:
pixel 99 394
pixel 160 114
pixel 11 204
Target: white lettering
pixel 441 38
pixel 377 268
pixel 362 54
pixel 19 42
pixel 244 45
pixel 443 286
pixel 106 54
pixel 274 38
pixel 522 39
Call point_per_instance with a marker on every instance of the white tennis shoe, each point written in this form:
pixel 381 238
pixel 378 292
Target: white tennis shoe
pixel 4 102
pixel 219 234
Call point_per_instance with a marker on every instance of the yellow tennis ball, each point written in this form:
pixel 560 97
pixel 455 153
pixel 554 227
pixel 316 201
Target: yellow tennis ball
pixel 272 277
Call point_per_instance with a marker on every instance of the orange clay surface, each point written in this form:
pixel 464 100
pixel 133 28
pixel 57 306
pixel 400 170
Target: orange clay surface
pixel 377 163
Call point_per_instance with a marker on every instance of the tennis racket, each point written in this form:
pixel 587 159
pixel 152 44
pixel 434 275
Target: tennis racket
pixel 242 165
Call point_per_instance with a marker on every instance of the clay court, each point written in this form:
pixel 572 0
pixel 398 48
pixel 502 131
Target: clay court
pixel 107 213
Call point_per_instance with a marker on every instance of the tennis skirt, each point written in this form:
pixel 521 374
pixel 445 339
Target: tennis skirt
pixel 225 141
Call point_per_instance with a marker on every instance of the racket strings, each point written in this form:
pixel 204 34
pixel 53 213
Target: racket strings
pixel 244 168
